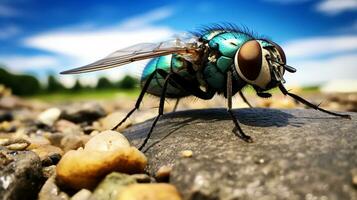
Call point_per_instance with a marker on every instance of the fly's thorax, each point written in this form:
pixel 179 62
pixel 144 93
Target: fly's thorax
pixel 222 48
pixel 258 62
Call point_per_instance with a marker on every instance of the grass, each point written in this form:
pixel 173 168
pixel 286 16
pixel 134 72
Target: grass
pixel 87 95
pixel 108 94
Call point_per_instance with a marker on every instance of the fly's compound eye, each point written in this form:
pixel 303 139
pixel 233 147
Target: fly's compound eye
pixel 251 65
pixel 250 59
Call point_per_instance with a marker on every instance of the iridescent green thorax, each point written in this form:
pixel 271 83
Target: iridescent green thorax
pixel 223 45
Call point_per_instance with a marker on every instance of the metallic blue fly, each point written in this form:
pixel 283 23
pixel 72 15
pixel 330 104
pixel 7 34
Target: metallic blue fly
pixel 218 60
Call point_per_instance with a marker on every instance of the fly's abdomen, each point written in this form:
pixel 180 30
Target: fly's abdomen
pixel 167 63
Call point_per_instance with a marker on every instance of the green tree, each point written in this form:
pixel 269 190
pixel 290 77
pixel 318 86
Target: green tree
pixel 77 86
pixel 104 83
pixel 53 85
pixel 26 85
pixel 20 84
pixel 128 82
pixel 5 78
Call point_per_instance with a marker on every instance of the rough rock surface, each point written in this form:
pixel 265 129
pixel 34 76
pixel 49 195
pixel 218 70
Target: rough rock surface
pixel 296 154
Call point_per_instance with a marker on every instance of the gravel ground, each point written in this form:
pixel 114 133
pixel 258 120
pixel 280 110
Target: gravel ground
pixel 64 150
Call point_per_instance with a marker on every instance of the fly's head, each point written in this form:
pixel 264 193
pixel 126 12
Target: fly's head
pixel 261 63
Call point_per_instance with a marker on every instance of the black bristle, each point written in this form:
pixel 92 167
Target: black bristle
pixel 227 27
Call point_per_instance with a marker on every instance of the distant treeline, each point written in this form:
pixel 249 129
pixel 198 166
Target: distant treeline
pixel 25 85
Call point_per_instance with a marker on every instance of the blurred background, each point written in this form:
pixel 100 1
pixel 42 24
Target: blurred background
pixel 40 38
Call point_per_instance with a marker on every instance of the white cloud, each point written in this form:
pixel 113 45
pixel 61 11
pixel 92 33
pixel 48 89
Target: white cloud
pixel 322 59
pixel 318 46
pixel 83 47
pixel 9 31
pixel 79 45
pixel 147 18
pixel 336 6
pixel 317 71
pixel 6 11
pixel 331 7
pixel 21 63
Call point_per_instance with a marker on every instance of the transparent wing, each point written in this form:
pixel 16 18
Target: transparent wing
pixel 141 51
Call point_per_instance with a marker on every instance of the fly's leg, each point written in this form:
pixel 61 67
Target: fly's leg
pixel 188 86
pixel 161 111
pixel 138 101
pixel 245 99
pixel 176 104
pixel 237 129
pixel 305 102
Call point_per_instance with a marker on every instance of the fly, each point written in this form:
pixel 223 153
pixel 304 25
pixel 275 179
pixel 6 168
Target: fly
pixel 217 60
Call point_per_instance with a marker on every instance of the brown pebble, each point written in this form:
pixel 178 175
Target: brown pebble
pixel 106 152
pixel 163 173
pixel 186 153
pixel 17 144
pixel 354 177
pixel 153 191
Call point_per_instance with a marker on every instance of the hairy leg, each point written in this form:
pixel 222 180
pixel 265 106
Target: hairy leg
pixel 305 102
pixel 138 101
pixel 161 111
pixel 237 129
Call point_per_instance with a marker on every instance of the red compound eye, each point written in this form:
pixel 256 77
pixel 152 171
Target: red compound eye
pixel 250 59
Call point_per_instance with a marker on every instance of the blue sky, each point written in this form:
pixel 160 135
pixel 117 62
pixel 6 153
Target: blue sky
pixel 41 37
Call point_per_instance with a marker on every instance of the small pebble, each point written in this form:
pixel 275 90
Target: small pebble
pixel 186 153
pixel 49 171
pixel 67 127
pixel 83 194
pixel 49 116
pixel 152 191
pixel 71 142
pixel 112 120
pixel 18 144
pixel 107 141
pixel 49 155
pixel 106 152
pixel 50 191
pixel 6 126
pixel 163 173
pixel 354 177
pixel 112 185
pixel 141 178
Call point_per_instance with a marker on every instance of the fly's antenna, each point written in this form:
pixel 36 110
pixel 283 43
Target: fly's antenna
pixel 286 67
pixel 289 68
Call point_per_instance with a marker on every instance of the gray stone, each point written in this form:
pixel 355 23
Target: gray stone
pixel 6 116
pixel 111 186
pixel 20 174
pixel 83 112
pixel 50 191
pixel 296 154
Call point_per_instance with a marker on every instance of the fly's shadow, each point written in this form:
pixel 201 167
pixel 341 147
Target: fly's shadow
pixel 173 122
